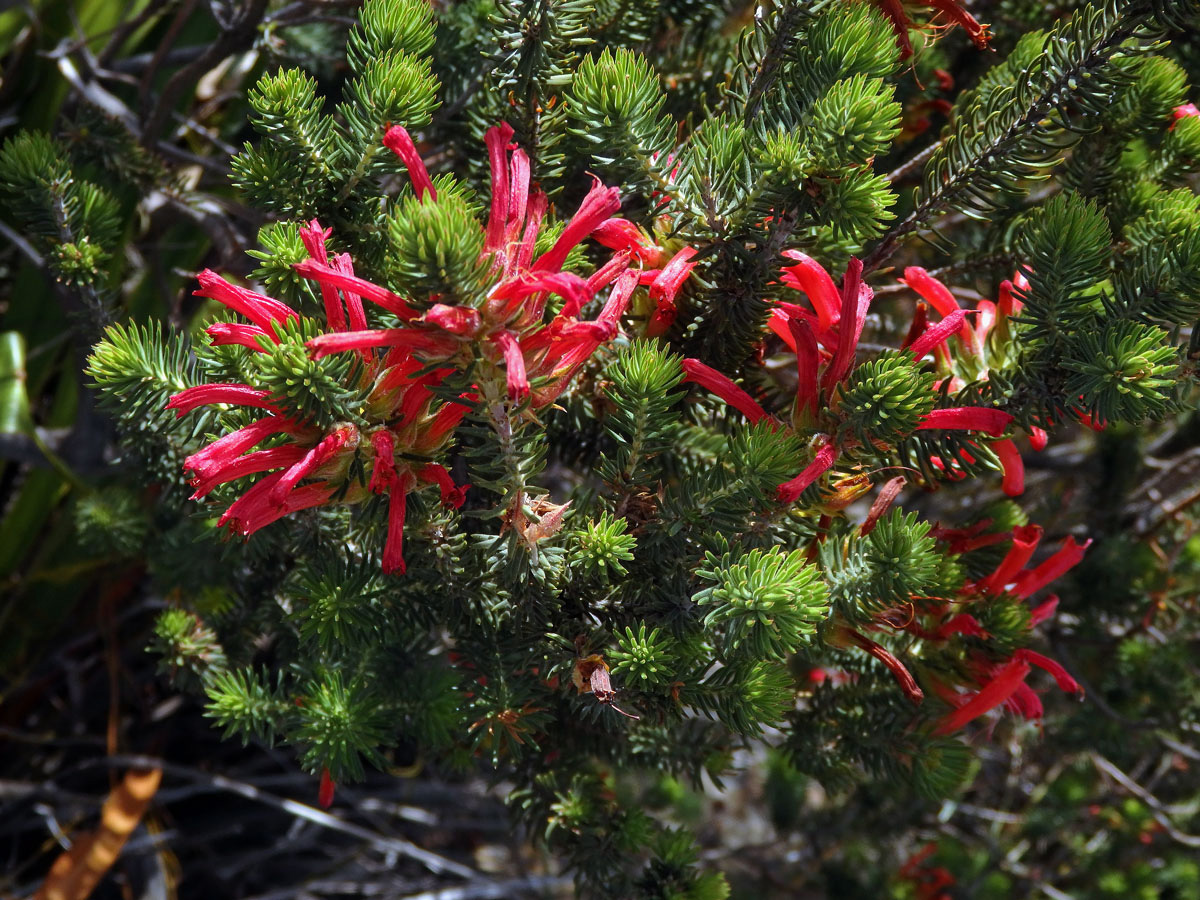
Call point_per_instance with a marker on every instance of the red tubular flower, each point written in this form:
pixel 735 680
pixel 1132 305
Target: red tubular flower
pixel 936 335
pixel 567 285
pixel 225 334
pixel 458 320
pixel 497 139
pixel 314 237
pixel 918 326
pixel 514 364
pixel 936 295
pixel 856 299
pixel 411 340
pixel 664 288
pixel 453 495
pixel 1043 611
pixel 790 491
pixel 444 421
pixel 325 450
pixel 1002 686
pixel 358 317
pixel 607 273
pixel 809 276
pixel 223 451
pixel 808 360
pixel 254 509
pixel 1012 465
pixel 383 472
pixel 1008 303
pixel 407 421
pixel 1025 539
pixel 887 496
pixel 1025 702
pixel 1065 682
pixel 325 792
pixel 251 464
pixel 398 141
pixel 1186 111
pixel 326 275
pixel 202 395
pixel 262 311
pixel 621 234
pixel 709 378
pixel 1064 559
pixel 393 550
pixel 968 418
pixel 598 206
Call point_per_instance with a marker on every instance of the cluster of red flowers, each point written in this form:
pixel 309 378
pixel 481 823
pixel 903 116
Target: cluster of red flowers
pixel 971 355
pixel 404 425
pixel 985 681
pixel 825 341
pixel 928 881
pixel 1003 681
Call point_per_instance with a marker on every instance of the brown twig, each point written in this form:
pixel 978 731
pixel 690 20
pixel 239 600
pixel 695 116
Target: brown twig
pixel 237 36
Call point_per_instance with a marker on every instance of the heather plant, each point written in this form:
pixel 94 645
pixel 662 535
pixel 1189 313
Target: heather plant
pixel 623 391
